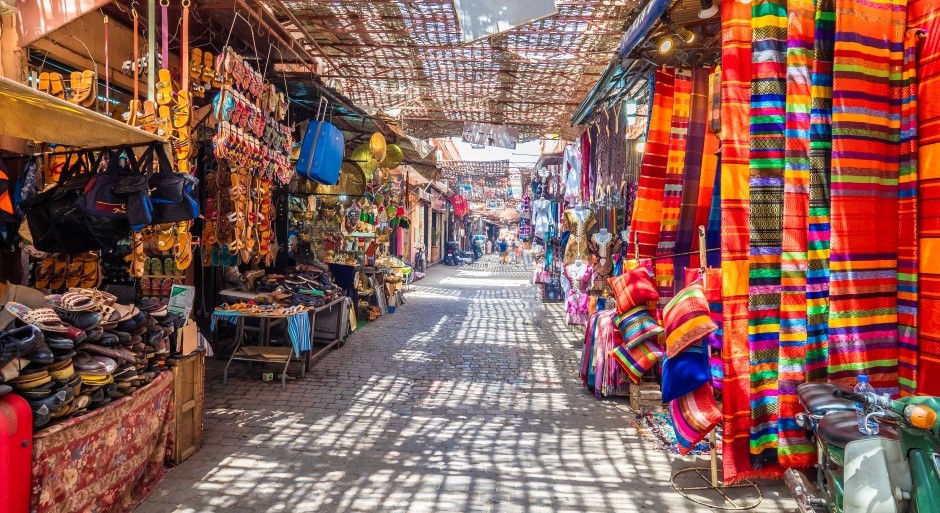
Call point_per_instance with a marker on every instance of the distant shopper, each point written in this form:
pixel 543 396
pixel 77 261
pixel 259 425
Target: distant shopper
pixel 489 246
pixel 503 251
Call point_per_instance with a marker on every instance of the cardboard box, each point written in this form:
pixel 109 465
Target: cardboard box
pixel 187 338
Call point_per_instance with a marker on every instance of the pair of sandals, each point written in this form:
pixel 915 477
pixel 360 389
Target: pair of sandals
pixel 157 286
pixel 156 267
pixel 60 271
pixel 83 87
pixel 202 68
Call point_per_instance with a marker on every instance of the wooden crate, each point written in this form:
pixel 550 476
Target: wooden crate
pixel 188 391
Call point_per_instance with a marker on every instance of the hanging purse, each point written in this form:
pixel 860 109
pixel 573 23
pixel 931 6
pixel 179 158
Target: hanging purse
pixel 174 195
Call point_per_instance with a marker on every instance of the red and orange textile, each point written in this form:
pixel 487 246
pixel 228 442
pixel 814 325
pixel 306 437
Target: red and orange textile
pixel 74 463
pixel 794 448
pixel 735 190
pixel 923 14
pixel 647 212
pixel 865 169
pixel 672 186
pixel 765 229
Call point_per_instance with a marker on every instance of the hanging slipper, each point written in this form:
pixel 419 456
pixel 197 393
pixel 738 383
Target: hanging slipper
pixel 184 248
pixel 166 287
pixel 59 272
pixel 73 273
pixel 83 88
pixel 208 68
pixel 44 82
pixel 57 85
pixel 195 64
pixel 169 268
pixel 181 145
pixel 164 121
pixel 145 287
pixel 156 267
pixel 133 114
pixel 164 87
pixel 91 270
pixel 75 83
pixel 166 238
pixel 148 122
pixel 44 272
pixel 182 111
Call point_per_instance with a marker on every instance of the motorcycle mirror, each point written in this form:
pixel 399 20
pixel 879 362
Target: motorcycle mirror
pixel 921 417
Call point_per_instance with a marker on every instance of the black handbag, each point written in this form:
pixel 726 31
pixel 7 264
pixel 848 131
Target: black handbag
pixel 120 192
pixel 57 222
pixel 174 195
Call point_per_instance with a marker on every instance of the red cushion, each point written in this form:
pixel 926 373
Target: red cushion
pixel 632 288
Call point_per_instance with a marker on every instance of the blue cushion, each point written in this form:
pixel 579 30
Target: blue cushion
pixel 685 372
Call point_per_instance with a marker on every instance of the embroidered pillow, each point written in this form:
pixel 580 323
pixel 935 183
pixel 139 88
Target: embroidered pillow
pixel 687 319
pixel 693 416
pixel 637 361
pixel 632 288
pixel 637 325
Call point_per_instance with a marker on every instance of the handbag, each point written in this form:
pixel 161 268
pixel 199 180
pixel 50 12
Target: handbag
pixel 58 224
pixel 173 195
pixel 119 193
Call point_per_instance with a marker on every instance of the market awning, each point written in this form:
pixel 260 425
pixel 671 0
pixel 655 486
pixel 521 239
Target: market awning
pixel 34 115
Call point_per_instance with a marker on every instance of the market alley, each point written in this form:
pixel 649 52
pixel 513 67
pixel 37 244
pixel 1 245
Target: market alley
pixel 469 402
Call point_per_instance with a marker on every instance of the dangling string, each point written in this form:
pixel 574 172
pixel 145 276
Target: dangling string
pixel 184 50
pixel 164 34
pixel 107 70
pixel 136 65
pixel 151 46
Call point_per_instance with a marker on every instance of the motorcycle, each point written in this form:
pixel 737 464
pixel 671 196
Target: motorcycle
pixel 895 471
pixel 450 254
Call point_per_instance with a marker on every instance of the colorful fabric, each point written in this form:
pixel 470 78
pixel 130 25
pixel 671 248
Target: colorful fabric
pixel 657 427
pixel 923 14
pixel 713 227
pixel 638 361
pixel 865 169
pixel 647 212
pixel 694 415
pixel 686 371
pixel 633 287
pixel 637 325
pixel 768 141
pixel 735 189
pixel 694 175
pixel 672 188
pixel 820 155
pixel 714 101
pixel 794 448
pixel 74 463
pixel 708 211
pixel 907 225
pixel 686 319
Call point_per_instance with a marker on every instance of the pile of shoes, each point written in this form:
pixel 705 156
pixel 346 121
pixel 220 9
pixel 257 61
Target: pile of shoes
pixel 304 285
pixel 82 352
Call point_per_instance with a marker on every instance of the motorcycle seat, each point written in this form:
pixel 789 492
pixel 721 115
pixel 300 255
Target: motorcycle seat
pixel 817 398
pixel 841 427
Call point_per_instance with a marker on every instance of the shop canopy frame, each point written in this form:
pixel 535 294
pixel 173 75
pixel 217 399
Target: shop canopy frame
pixel 408 57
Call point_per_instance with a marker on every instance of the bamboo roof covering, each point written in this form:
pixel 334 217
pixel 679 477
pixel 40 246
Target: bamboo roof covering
pixel 408 56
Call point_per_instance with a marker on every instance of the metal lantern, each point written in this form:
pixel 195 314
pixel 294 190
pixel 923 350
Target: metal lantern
pixel 377 147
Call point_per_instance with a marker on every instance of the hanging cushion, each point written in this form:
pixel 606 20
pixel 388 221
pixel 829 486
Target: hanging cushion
pixel 637 361
pixel 687 319
pixel 685 372
pixel 693 416
pixel 637 325
pixel 632 288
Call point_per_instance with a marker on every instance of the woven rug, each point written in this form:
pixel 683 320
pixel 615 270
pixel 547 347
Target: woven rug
pixel 647 212
pixel 924 14
pixel 865 169
pixel 694 175
pixel 794 449
pixel 768 110
pixel 735 188
pixel 907 226
pixel 657 428
pixel 820 155
pixel 672 186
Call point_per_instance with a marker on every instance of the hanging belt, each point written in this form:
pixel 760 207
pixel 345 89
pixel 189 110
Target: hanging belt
pixel 164 35
pixel 107 70
pixel 184 49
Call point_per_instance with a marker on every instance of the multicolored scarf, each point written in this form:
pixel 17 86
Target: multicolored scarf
pixel 794 448
pixel 820 155
pixel 672 188
pixel 907 227
pixel 768 110
pixel 735 189
pixel 866 129
pixel 923 14
pixel 647 212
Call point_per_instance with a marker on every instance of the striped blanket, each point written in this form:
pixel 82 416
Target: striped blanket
pixel 647 211
pixel 866 130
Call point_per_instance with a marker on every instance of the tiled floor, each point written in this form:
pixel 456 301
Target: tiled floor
pixel 466 399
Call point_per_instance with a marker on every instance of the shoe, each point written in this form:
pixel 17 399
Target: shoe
pixel 109 339
pixel 41 354
pixel 123 337
pixel 11 370
pixel 59 343
pixel 81 320
pixel 54 402
pixel 85 364
pixel 61 356
pixel 94 334
pixel 18 341
pixel 41 417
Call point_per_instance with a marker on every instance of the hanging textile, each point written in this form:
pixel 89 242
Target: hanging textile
pixel 865 164
pixel 735 151
pixel 672 186
pixel 647 211
pixel 820 155
pixel 706 197
pixel 767 127
pixel 924 15
pixel 695 177
pixel 794 448
pixel 907 226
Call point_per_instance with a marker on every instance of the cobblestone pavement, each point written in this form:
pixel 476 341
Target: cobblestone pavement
pixel 466 399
